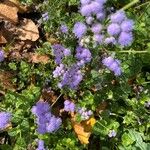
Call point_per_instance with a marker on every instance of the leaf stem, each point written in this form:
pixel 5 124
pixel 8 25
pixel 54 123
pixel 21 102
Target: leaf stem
pixel 130 4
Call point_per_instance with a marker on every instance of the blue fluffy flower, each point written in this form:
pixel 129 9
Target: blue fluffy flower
pixel 127 25
pixel 118 17
pixel 125 39
pixel 79 29
pixel 1 55
pixel 5 118
pixel 113 29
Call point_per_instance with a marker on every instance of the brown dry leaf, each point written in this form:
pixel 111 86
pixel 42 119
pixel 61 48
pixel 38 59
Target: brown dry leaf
pixel 49 95
pixel 2 39
pixel 20 7
pixel 28 30
pixel 8 11
pixel 37 58
pixel 102 107
pixel 5 80
pixel 83 129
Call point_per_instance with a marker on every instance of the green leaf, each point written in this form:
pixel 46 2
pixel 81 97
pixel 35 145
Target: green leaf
pixel 127 139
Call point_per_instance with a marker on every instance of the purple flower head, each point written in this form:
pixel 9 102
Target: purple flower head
pixel 59 71
pixel 110 40
pixel 40 145
pixel 44 118
pixel 125 39
pixel 79 29
pixel 1 55
pixel 67 52
pixel 112 133
pixel 115 68
pixel 96 7
pixel 83 54
pixel 107 61
pixel 64 28
pixel 86 10
pixel 84 2
pixel 101 1
pixel 53 124
pixel 69 106
pixel 5 118
pixel 89 20
pixel 45 16
pixel 113 65
pixel 113 29
pixel 72 77
pixel 118 17
pixel 40 108
pixel 127 25
pixel 85 114
pixel 58 52
pixel 98 38
pixel 100 16
pixel 96 28
pixel 41 129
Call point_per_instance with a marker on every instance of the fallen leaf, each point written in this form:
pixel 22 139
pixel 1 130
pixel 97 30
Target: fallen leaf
pixel 28 30
pixel 102 107
pixel 37 58
pixel 49 95
pixel 21 8
pixel 83 129
pixel 2 39
pixel 5 80
pixel 8 11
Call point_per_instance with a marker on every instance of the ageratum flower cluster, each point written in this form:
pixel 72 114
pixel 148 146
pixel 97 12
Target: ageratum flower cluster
pixel 69 106
pixel 60 52
pixel 46 121
pixel 40 145
pixel 70 76
pixel 113 65
pixel 84 113
pixel 64 29
pixel 119 29
pixel 83 55
pixel 5 118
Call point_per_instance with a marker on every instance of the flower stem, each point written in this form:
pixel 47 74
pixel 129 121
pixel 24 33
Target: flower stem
pixel 56 100
pixel 133 52
pixel 130 4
